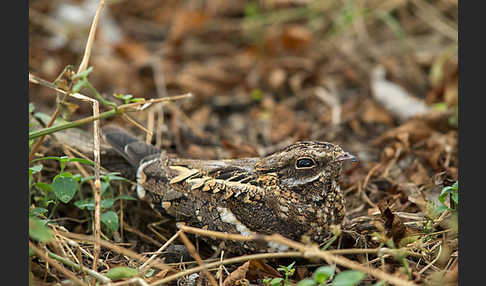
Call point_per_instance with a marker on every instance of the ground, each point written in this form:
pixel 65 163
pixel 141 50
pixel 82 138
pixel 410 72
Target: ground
pixel 378 78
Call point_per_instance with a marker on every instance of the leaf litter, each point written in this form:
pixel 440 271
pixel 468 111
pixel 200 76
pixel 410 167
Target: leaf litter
pixel 266 74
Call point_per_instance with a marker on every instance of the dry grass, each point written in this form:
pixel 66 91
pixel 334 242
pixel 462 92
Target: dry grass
pixel 286 50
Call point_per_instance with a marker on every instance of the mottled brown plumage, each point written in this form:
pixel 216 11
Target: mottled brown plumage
pixel 293 192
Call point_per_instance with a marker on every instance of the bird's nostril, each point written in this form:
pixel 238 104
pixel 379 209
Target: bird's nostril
pixel 346 156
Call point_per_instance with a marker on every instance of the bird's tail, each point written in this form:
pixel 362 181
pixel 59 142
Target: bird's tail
pixel 132 149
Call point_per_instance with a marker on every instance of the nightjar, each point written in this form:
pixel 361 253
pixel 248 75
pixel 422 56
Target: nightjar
pixel 293 192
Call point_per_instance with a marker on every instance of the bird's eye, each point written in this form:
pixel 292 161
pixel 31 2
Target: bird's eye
pixel 304 163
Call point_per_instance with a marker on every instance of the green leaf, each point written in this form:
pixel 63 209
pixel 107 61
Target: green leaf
pixel 38 230
pixel 104 187
pixel 41 186
pixel 38 211
pixel 64 188
pixel 31 107
pixel 441 209
pixel 286 269
pixel 276 282
pixel 78 86
pixel 83 74
pixel 149 273
pixel 110 219
pixel 125 197
pixel 348 278
pixel 307 282
pixel 455 198
pixel 35 169
pixel 121 273
pixel 80 160
pixel 323 273
pixel 90 205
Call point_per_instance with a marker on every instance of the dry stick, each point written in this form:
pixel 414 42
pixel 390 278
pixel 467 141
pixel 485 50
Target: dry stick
pixel 432 262
pixel 116 248
pixel 93 273
pixel 142 235
pixel 96 135
pixel 308 251
pixel 147 263
pixel 192 250
pixel 56 265
pixel 228 261
pixel 140 126
pixel 91 37
pixel 39 142
pixel 97 185
pixel 113 112
pixel 52 119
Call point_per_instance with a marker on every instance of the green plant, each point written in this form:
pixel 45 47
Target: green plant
pixel 288 272
pixel 63 188
pixel 324 273
pixel 451 193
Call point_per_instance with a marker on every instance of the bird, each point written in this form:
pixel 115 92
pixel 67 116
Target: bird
pixel 294 192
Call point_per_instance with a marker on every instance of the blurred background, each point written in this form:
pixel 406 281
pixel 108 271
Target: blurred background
pixel 379 78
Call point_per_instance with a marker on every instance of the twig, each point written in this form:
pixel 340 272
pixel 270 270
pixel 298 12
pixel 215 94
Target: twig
pixel 147 263
pixel 432 262
pixel 140 126
pixel 93 273
pixel 97 185
pixel 113 112
pixel 142 235
pixel 308 251
pixel 91 37
pixel 229 261
pixel 121 250
pixel 192 250
pixel 56 265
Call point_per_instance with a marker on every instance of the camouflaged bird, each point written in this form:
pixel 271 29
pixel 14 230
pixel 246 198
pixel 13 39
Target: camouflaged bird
pixel 293 192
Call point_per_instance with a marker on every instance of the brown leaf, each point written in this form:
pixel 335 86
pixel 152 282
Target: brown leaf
pixel 373 113
pixel 186 22
pixel 416 129
pixel 393 225
pixel 283 123
pixel 259 269
pixel 132 51
pixel 238 274
pixel 296 38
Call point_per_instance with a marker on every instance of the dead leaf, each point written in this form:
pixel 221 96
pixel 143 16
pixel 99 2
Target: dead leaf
pixel 132 51
pixel 393 225
pixel 236 275
pixel 373 113
pixel 296 38
pixel 185 22
pixel 283 123
pixel 259 269
pixel 417 130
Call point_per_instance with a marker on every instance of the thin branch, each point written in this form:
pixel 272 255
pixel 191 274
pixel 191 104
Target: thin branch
pixel 88 271
pixel 192 250
pixel 116 248
pixel 91 37
pixel 147 263
pixel 308 251
pixel 228 261
pixel 56 265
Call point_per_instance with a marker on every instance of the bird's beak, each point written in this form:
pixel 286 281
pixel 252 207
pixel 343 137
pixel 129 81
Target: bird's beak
pixel 346 156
